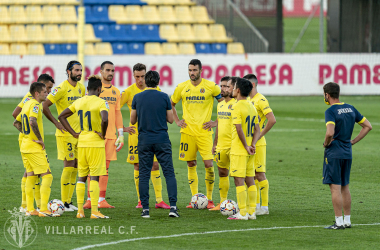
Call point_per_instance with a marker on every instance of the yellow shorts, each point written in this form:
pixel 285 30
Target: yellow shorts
pixel 133 156
pixel 91 161
pixel 110 150
pixel 222 158
pixel 242 166
pixel 261 159
pixel 67 147
pixel 191 144
pixel 36 162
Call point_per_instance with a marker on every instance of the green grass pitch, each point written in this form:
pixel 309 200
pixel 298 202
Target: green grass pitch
pixel 299 204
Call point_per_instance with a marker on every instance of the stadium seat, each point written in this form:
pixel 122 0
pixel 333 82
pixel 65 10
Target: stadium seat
pixel 119 48
pixel 202 33
pixel 5 37
pixel 133 14
pixel 235 48
pixel 68 14
pixel 34 14
pixel 52 33
pixel 17 14
pixel 89 49
pixel 88 15
pixel 51 14
pixel 70 48
pixel 168 32
pixel 118 32
pixel 102 31
pixel 184 14
pixel 218 32
pixel 52 49
pixel 18 33
pixel 170 49
pixel 167 14
pixel 135 33
pixel 136 48
pixel 89 35
pixel 150 14
pixel 117 13
pixel 69 33
pixel 202 48
pixel 34 33
pixel 185 33
pixel 18 49
pixel 219 48
pixel 153 49
pixel 103 49
pixel 4 15
pixel 200 14
pixel 4 49
pixel 186 49
pixel 100 12
pixel 35 49
pixel 151 33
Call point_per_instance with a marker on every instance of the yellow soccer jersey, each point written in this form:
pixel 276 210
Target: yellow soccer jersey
pixel 63 96
pixel 32 108
pixel 127 97
pixel 87 111
pixel 197 105
pixel 262 106
pixel 224 124
pixel 244 113
pixel 26 98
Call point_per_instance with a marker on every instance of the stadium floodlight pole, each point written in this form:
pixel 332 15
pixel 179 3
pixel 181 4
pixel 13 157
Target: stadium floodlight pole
pixel 321 28
pixel 81 22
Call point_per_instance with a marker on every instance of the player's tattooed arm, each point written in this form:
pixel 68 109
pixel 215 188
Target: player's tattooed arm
pixel 18 125
pixel 36 131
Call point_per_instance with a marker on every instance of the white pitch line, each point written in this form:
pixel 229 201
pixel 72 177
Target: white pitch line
pixel 209 232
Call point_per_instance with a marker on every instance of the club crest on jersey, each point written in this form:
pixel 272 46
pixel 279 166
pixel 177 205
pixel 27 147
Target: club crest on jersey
pixel 230 106
pixel 80 91
pixel 182 155
pixel 107 105
pixel 132 157
pixel 113 92
pixel 26 99
pixel 71 155
pixel 202 90
pixel 55 90
pixel 35 109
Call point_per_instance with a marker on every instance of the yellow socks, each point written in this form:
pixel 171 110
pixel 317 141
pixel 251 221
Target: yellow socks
pixel 241 194
pixel 65 183
pixel 137 180
pixel 210 179
pixel 73 181
pixel 157 184
pixel 264 188
pixel 30 182
pixel 81 190
pixel 45 191
pixel 252 193
pixel 193 179
pixel 94 192
pixel 258 193
pixel 37 193
pixel 224 186
pixel 23 201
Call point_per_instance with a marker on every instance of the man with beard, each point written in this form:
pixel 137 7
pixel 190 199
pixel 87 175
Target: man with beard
pixel 197 96
pixel 115 120
pixel 63 96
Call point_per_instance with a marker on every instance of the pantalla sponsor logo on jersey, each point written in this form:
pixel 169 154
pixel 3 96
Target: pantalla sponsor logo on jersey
pixel 73 98
pixel 109 99
pixel 195 98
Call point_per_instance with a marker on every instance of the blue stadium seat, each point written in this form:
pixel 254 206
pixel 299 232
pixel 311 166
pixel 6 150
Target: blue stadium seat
pixel 120 48
pixel 102 32
pixel 202 48
pixel 69 48
pixel 128 2
pixel 98 14
pixel 88 15
pixel 96 2
pixel 219 48
pixel 52 49
pixel 152 33
pixel 119 32
pixel 135 33
pixel 136 48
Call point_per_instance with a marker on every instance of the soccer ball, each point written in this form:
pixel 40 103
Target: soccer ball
pixel 199 201
pixel 229 207
pixel 56 206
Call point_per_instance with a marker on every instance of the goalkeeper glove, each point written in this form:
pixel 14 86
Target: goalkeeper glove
pixel 120 141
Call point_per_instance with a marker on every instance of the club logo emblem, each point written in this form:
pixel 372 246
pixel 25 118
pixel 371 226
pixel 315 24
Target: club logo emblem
pixel 20 230
pixel 202 90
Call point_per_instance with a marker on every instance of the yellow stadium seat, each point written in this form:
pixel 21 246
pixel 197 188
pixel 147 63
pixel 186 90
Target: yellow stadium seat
pixel 17 33
pixel 167 14
pixel 134 14
pixel 89 35
pixel 170 49
pixel 34 33
pixel 117 13
pixel 60 2
pixel 235 48
pixel 150 14
pixel 218 32
pixel 200 14
pixel 4 15
pixel 184 14
pixel 153 2
pixel 103 49
pixel 5 37
pixel 34 14
pixel 17 14
pixel 18 49
pixel 52 34
pixel 35 49
pixel 202 33
pixel 186 48
pixel 69 33
pixel 68 14
pixel 51 14
pixel 4 49
pixel 185 33
pixel 185 2
pixel 168 32
pixel 153 49
pixel 89 49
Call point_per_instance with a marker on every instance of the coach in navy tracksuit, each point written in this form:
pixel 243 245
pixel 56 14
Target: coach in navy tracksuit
pixel 152 109
pixel 340 120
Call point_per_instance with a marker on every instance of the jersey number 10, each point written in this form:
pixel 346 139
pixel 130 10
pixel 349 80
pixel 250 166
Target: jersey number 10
pixel 88 115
